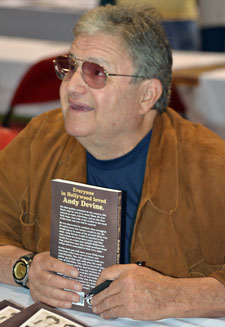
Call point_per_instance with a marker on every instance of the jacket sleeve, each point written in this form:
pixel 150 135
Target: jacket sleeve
pixel 211 223
pixel 27 166
pixel 14 180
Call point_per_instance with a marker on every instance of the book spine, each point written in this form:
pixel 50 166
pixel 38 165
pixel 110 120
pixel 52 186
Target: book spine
pixel 119 215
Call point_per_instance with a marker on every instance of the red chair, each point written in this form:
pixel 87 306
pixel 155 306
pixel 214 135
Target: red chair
pixel 6 136
pixel 38 85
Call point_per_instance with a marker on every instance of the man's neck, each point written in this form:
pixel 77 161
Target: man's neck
pixel 111 148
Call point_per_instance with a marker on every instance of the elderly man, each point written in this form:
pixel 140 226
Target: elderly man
pixel 115 130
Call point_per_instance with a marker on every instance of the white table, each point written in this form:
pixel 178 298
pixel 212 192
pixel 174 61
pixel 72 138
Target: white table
pixel 209 101
pixel 22 297
pixel 201 84
pixel 195 59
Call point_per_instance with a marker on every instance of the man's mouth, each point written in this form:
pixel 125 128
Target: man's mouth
pixel 80 107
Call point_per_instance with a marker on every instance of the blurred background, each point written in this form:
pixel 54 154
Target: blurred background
pixel 33 32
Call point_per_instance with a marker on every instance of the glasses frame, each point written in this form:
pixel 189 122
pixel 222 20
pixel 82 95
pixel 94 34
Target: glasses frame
pixel 80 62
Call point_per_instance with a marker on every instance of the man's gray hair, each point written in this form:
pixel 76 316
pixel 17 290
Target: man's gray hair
pixel 140 29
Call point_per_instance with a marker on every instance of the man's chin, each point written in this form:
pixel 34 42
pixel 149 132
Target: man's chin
pixel 77 133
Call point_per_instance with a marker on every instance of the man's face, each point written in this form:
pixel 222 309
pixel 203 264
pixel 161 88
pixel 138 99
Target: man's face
pixel 106 115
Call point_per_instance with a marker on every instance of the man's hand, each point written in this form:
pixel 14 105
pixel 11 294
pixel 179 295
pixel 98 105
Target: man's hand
pixel 48 287
pixel 143 294
pixel 136 292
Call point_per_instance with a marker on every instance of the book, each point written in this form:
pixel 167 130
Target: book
pixel 8 309
pixel 40 314
pixel 85 230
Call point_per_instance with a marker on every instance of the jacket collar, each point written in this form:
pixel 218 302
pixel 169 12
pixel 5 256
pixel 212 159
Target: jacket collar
pixel 161 176
pixel 75 163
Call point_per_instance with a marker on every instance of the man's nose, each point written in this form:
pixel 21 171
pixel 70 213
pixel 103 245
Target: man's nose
pixel 76 81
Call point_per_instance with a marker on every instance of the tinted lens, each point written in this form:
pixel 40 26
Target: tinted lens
pixel 64 67
pixel 94 75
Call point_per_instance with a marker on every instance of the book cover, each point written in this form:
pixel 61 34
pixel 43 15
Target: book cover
pixel 85 230
pixel 8 309
pixel 42 315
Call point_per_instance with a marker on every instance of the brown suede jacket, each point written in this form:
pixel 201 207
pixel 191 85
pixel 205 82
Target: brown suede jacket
pixel 180 224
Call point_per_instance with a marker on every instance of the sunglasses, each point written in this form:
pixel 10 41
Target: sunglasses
pixel 94 75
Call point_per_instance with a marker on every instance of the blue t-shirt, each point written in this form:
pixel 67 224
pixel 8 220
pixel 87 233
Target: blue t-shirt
pixel 125 173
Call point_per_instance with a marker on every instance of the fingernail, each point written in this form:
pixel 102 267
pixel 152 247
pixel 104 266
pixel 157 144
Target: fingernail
pixel 74 273
pixel 75 298
pixel 77 287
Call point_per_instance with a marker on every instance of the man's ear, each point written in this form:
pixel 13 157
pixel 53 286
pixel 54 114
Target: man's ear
pixel 151 92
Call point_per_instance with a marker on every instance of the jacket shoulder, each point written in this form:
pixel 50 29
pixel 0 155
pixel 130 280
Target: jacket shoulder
pixel 50 117
pixel 195 136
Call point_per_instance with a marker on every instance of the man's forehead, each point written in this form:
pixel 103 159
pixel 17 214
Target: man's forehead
pixel 98 40
pixel 100 48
